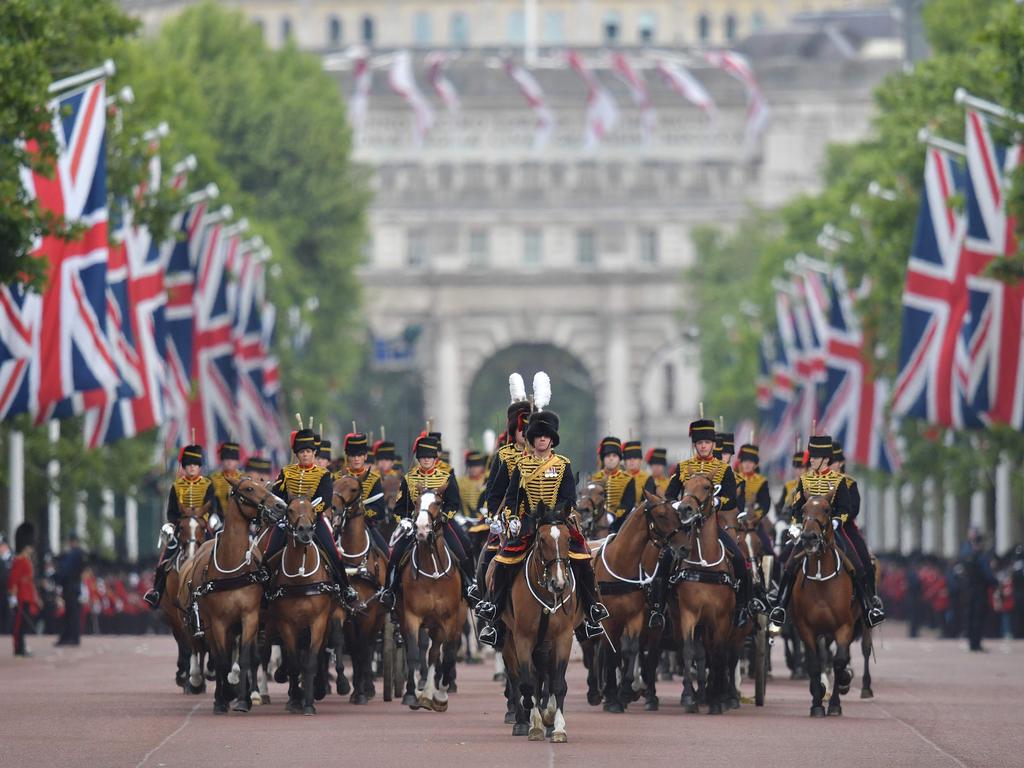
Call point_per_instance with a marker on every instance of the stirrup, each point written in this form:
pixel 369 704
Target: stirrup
pixel 758 605
pixel 473 596
pixel 488 635
pixel 486 610
pixel 874 617
pixel 656 620
pixel 387 599
pixel 598 613
pixel 777 616
pixel 592 629
pixel 152 598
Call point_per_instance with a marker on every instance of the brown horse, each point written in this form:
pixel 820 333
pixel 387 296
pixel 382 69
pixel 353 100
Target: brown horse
pixel 823 604
pixel 431 598
pixel 625 565
pixel 300 603
pixel 705 594
pixel 190 533
pixel 366 566
pixel 542 613
pixel 741 528
pixel 222 583
pixel 592 510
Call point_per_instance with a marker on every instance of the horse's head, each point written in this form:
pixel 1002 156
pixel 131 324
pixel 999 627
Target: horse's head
pixel 698 501
pixel 590 507
pixel 817 528
pixel 301 520
pixel 666 525
pixel 255 500
pixel 428 519
pixel 551 545
pixel 192 527
pixel 391 485
pixel 346 495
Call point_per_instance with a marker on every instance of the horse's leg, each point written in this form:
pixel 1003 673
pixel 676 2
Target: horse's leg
pixel 592 662
pixel 842 675
pixel 649 658
pixel 717 679
pixel 265 650
pixel 446 673
pixel 290 659
pixel 627 663
pixel 220 653
pixel 688 698
pixel 865 649
pixel 411 632
pixel 559 687
pixel 610 661
pixel 339 638
pixel 701 664
pixel 424 643
pixel 317 633
pixel 359 650
pixel 813 664
pixel 431 656
pixel 732 662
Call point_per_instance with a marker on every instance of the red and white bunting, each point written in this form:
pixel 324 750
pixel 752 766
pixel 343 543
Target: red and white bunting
pixel 602 112
pixel 638 92
pixel 440 83
pixel 738 67
pixel 359 102
pixel 534 95
pixel 679 79
pixel 403 83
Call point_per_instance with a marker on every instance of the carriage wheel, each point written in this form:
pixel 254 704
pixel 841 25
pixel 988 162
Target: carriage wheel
pixel 387 659
pixel 761 651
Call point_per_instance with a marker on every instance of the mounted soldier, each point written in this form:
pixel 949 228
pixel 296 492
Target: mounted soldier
pixel 190 490
pixel 798 463
pixel 822 480
pixel 258 468
pixel 702 433
pixel 542 479
pixel 618 485
pixel 755 499
pixel 305 478
pixel 426 476
pixel 356 447
pixel 384 458
pixel 229 454
pixel 633 458
pixel 657 463
pixel 324 455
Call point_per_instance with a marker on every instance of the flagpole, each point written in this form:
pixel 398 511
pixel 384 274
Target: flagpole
pixel 924 136
pixel 16 480
pixel 530 32
pixel 210 192
pixel 108 69
pixel 964 99
pixel 53 492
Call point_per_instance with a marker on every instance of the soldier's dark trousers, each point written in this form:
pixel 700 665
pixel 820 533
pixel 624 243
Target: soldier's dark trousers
pixel 397 553
pixel 71 624
pixel 20 627
pixel 586 584
pixel 378 538
pixel 855 538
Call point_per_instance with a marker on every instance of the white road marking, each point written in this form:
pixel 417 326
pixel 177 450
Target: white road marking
pixel 171 735
pixel 921 736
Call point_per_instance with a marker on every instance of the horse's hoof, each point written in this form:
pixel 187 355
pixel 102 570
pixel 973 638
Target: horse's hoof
pixel 309 710
pixel 421 685
pixel 715 709
pixel 409 700
pixel 691 709
pixel 558 737
pixel 536 734
pixel 220 708
pixel 358 699
pixel 867 693
pixel 520 729
pixel 651 705
pixel 255 699
pixel 281 675
pixel 594 698
pixel 453 687
pixel 548 730
pixel 835 710
pixel 210 676
pixel 614 707
pixel 510 718
pixel 439 706
pixel 320 690
pixel 195 690
pixel 734 703
pixel 242 705
pixel 817 711
pixel 344 687
pixel 372 692
pixel 294 707
pixel 265 698
pixel 665 676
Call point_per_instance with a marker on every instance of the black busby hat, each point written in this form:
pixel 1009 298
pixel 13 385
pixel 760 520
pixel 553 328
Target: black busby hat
pixel 632 449
pixel 259 464
pixel 717 450
pixel 608 446
pixel 542 424
pixel 384 449
pixel 702 429
pixel 749 452
pixel 425 447
pixel 356 444
pixel 820 447
pixel 303 439
pixel 324 450
pixel 657 456
pixel 437 438
pixel 24 536
pixel 799 460
pixel 191 454
pixel 837 453
pixel 475 458
pixel 728 442
pixel 229 450
pixel 399 463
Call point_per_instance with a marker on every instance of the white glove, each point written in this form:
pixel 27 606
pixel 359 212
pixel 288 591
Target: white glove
pixel 167 530
pixel 406 525
pixel 460 518
pixel 495 526
pixel 835 523
pixel 794 531
pixel 12 601
pixel 513 527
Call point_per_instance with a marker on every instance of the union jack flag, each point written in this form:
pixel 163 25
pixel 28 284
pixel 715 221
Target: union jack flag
pixel 935 299
pixel 853 410
pixel 70 334
pixel 992 335
pixel 19 316
pixel 254 418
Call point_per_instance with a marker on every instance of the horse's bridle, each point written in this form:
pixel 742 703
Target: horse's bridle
pixel 349 510
pixel 547 565
pixel 656 537
pixel 263 509
pixel 701 514
pixel 812 541
pixel 299 535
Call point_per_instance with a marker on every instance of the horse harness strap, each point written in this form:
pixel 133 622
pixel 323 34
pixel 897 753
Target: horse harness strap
pixel 233 582
pixel 704 577
pixel 619 587
pixel 305 590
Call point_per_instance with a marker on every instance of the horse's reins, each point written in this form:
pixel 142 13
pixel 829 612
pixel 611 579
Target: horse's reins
pixel 547 580
pixel 651 539
pixel 435 526
pixel 263 510
pixel 835 550
pixel 360 507
pixel 698 524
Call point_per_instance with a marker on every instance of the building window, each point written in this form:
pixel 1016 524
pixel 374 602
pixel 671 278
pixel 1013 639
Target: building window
pixel 611 27
pixel 479 248
pixel 703 28
pixel 554 28
pixel 368 30
pixel 421 31
pixel 649 246
pixel 757 21
pixel 286 29
pixel 516 28
pixel 669 382
pixel 334 31
pixel 533 247
pixel 416 249
pixel 646 26
pixel 586 251
pixel 459 29
pixel 730 27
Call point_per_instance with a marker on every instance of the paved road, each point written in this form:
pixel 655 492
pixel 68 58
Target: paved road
pixel 111 702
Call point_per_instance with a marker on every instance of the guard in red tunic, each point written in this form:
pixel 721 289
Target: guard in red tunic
pixel 21 586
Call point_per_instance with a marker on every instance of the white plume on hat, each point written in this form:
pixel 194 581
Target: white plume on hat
pixel 516 388
pixel 541 390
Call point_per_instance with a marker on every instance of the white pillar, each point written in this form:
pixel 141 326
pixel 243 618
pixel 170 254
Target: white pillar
pixel 450 397
pixel 1004 505
pixel 131 526
pixel 949 537
pixel 872 513
pixel 932 510
pixel 81 516
pixel 891 521
pixel 978 516
pixel 905 526
pixel 53 493
pixel 15 480
pixel 107 513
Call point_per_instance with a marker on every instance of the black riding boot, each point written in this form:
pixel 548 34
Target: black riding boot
pixel 391 585
pixel 455 539
pixel 657 592
pixel 323 538
pixel 778 613
pixel 870 604
pixel 489 609
pixel 154 595
pixel 594 610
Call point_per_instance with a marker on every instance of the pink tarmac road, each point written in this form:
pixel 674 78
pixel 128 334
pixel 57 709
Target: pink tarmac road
pixel 112 702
